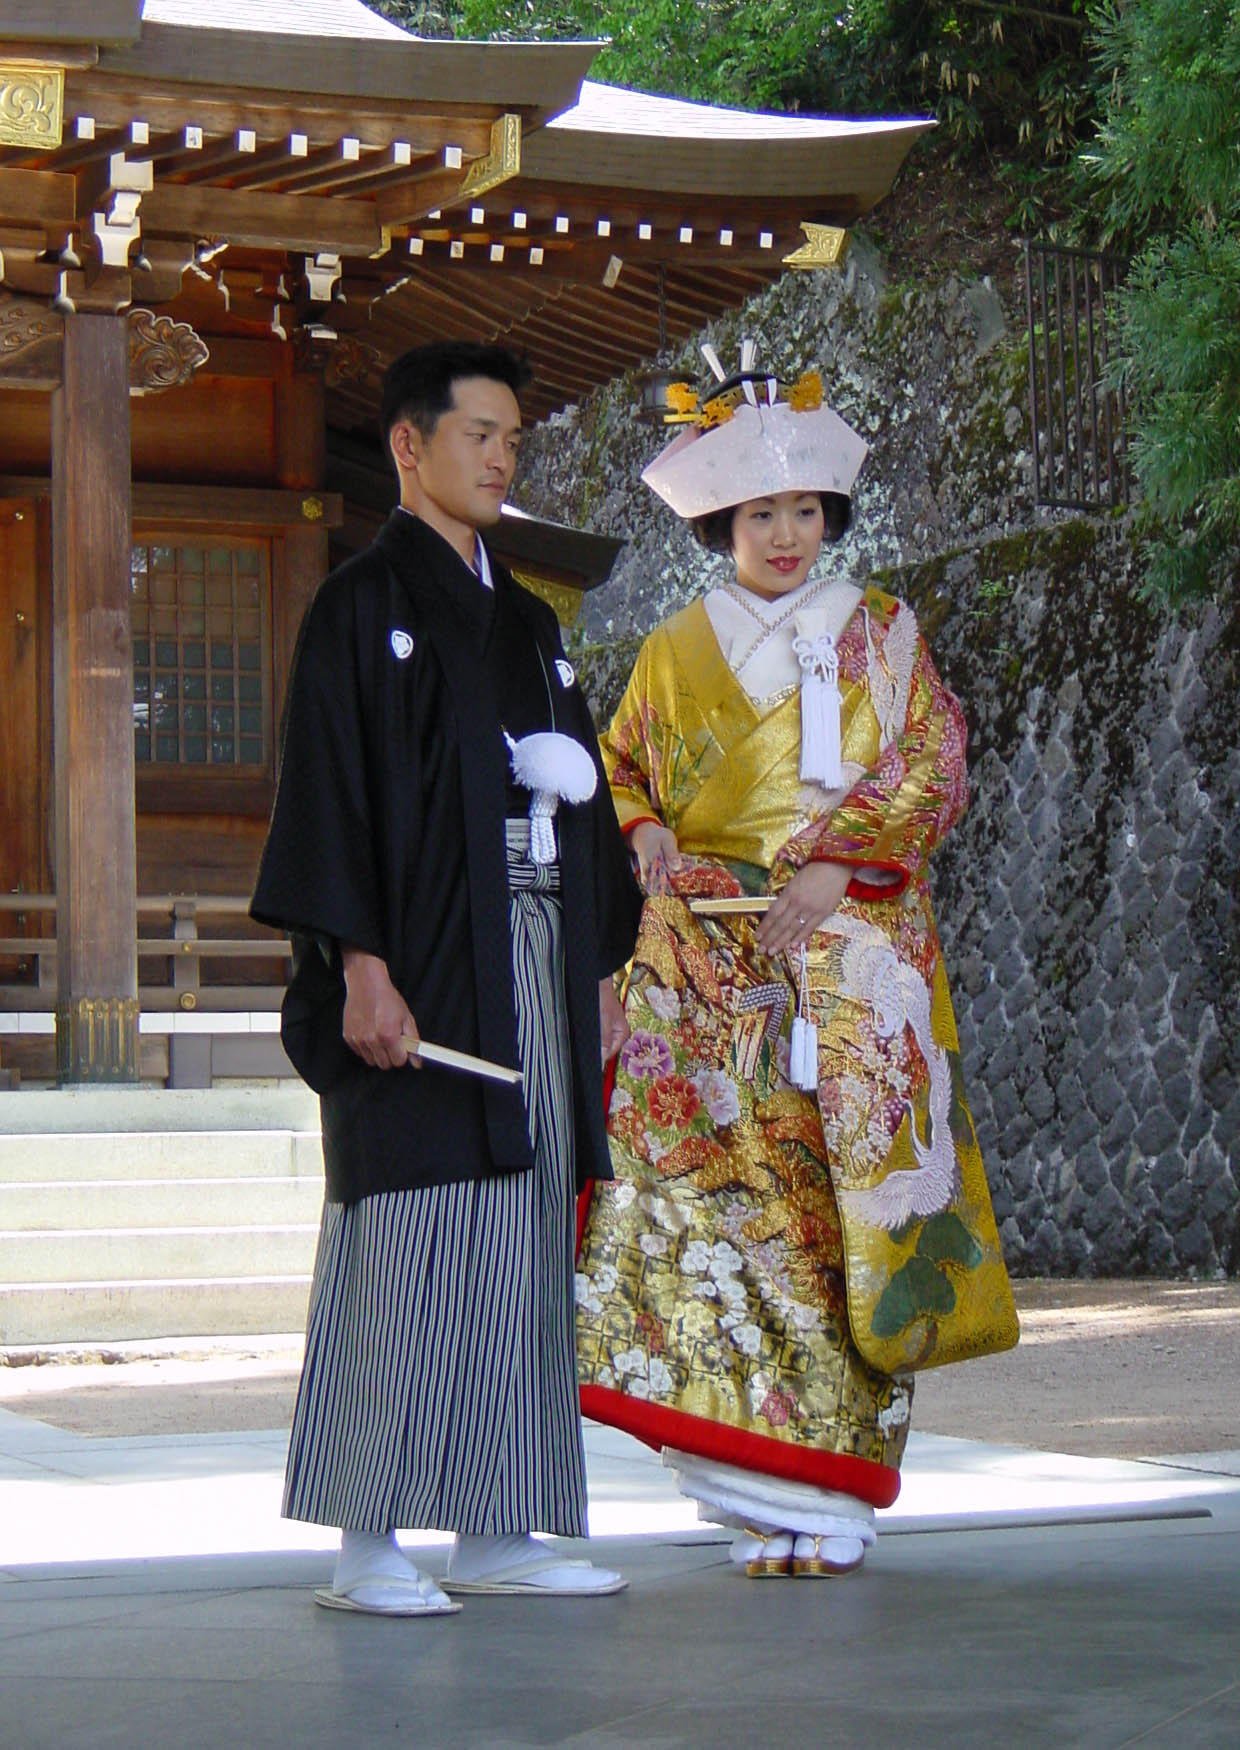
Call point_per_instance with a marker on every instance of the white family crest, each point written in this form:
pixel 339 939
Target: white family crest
pixel 565 671
pixel 402 646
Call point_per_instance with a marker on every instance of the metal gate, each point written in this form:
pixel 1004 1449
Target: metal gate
pixel 1079 444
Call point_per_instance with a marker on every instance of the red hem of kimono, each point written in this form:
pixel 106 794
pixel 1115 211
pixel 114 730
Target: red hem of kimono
pixel 657 1426
pixel 640 820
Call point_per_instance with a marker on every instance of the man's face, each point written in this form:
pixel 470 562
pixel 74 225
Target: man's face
pixel 464 469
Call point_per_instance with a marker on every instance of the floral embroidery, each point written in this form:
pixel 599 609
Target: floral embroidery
pixel 673 1101
pixel 647 1056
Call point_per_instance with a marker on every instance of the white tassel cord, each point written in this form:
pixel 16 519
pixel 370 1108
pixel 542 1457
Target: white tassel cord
pixel 803 1047
pixel 820 711
pixel 555 769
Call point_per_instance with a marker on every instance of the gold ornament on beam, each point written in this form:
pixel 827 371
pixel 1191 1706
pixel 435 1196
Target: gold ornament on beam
pixel 32 106
pixel 501 162
pixel 824 246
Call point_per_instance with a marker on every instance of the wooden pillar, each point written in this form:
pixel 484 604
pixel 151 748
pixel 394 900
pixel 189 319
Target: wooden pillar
pixel 301 463
pixel 96 867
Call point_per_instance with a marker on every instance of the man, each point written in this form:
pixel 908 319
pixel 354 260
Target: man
pixel 439 1385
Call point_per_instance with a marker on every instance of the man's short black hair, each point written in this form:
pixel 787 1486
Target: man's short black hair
pixel 714 530
pixel 418 385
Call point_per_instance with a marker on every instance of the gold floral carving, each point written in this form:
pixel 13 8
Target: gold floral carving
pixel 162 353
pixel 824 246
pixel 32 105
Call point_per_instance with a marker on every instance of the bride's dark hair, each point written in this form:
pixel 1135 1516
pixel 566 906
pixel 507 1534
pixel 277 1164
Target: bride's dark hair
pixel 714 530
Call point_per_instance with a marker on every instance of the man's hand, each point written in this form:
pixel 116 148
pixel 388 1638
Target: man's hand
pixel 658 855
pixel 612 1024
pixel 375 1013
pixel 803 906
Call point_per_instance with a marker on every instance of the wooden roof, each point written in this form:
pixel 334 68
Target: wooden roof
pixel 384 189
pixel 623 202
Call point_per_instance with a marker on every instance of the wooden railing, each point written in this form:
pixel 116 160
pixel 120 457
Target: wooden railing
pixel 182 951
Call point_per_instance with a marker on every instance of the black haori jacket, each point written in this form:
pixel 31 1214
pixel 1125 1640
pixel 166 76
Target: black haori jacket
pixel 388 834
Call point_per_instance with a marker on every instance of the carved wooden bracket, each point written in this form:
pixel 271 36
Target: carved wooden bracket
pixel 162 353
pixel 342 358
pixel 30 343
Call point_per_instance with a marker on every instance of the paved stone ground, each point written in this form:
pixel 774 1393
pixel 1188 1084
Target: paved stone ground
pixel 1103 1370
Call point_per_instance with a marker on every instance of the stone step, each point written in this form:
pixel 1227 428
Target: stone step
pixel 47 1158
pixel 47 1111
pixel 159 1203
pixel 82 1255
pixel 36 1313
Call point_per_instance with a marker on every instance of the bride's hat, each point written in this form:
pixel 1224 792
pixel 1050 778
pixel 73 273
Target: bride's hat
pixel 752 437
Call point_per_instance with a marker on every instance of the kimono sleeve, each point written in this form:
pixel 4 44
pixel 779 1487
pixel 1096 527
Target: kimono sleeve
pixel 318 875
pixel 896 813
pixel 617 897
pixel 630 751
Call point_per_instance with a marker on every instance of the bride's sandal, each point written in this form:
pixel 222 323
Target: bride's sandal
pixel 826 1558
pixel 763 1555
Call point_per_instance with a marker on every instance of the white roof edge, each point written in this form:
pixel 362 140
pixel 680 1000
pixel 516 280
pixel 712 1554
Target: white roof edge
pixel 611 109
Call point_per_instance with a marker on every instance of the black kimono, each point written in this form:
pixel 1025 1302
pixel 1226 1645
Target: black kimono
pixel 388 835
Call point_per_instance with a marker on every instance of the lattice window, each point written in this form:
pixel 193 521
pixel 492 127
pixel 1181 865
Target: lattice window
pixel 201 618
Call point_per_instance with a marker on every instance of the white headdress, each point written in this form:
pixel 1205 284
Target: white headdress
pixel 751 438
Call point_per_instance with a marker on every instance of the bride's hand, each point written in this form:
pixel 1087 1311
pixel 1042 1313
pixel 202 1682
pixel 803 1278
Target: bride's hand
pixel 803 906
pixel 658 855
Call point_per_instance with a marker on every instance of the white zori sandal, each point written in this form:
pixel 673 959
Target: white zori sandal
pixel 373 1575
pixel 519 1565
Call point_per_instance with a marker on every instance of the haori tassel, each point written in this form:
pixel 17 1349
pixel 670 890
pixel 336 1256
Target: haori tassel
pixel 803 1047
pixel 555 769
pixel 820 710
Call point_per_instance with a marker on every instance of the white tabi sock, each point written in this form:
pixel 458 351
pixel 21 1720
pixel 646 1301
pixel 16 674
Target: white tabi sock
pixel 366 1556
pixel 493 1558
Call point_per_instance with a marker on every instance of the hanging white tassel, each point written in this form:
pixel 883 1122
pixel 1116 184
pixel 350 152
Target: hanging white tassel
pixel 542 831
pixel 820 710
pixel 803 1046
pixel 555 769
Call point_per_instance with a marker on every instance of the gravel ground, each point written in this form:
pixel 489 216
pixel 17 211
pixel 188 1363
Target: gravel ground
pixel 1103 1369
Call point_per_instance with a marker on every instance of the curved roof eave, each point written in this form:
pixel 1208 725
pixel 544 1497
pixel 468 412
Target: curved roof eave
pixel 620 139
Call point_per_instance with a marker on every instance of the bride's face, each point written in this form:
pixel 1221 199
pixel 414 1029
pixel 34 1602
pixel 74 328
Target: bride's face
pixel 775 541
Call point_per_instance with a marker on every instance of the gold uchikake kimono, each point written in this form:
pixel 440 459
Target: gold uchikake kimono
pixel 769 1268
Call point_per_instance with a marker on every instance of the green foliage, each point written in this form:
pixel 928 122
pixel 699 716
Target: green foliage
pixel 1168 140
pixel 1163 178
pixel 422 17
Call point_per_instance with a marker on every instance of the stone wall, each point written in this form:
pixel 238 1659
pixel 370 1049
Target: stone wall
pixel 1088 901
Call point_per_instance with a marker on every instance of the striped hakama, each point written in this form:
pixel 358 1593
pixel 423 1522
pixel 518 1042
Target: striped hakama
pixel 440 1386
